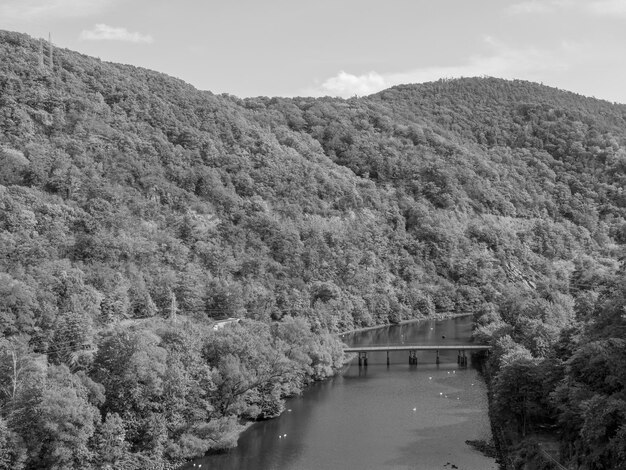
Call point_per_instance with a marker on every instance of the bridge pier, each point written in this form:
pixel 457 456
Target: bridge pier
pixel 413 357
pixel 363 358
pixel 463 359
pixel 437 356
pixel 387 357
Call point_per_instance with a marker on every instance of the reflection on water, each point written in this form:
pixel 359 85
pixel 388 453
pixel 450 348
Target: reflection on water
pixel 378 417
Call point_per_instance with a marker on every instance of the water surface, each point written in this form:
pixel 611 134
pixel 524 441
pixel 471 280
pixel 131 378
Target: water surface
pixel 378 417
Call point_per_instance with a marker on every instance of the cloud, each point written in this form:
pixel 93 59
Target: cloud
pixel 103 32
pixel 530 7
pixel 615 8
pixel 503 62
pixel 347 84
pixel 607 8
pixel 32 10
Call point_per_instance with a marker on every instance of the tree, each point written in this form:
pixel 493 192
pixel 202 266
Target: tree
pixel 141 303
pixel 72 343
pixel 12 452
pixel 110 446
pixel 18 364
pixel 131 364
pixel 56 421
pixel 244 361
pixel 115 305
pixel 517 390
pixel 603 432
pixel 18 305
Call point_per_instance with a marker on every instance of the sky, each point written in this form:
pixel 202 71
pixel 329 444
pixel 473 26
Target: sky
pixel 342 47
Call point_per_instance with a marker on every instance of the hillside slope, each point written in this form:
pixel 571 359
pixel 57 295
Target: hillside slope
pixel 128 195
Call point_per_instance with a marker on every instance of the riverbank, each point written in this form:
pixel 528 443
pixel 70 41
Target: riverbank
pixel 436 316
pixel 380 417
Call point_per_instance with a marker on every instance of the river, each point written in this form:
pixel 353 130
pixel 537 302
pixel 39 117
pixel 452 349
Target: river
pixel 377 417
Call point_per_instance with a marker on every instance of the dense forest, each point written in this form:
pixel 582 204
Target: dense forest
pixel 136 210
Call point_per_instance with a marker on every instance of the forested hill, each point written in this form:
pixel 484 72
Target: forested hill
pixel 128 195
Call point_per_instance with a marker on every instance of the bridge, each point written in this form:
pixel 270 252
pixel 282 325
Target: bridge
pixel 413 348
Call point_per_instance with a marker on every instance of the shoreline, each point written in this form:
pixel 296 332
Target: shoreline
pixel 437 316
pixel 248 424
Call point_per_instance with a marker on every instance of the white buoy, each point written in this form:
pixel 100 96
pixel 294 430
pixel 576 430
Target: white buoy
pixel 440 393
pixel 414 409
pixel 430 378
pixel 284 435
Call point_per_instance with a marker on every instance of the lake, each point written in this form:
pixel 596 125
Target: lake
pixel 399 416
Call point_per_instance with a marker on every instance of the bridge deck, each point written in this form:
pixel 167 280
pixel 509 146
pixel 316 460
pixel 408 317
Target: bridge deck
pixel 419 347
